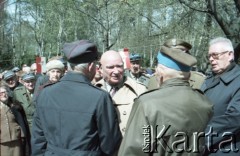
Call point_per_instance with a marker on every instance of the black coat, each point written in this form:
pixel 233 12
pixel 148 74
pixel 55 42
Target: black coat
pixel 74 118
pixel 224 92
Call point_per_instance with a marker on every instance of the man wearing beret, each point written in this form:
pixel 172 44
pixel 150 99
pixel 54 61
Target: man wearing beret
pixel 24 95
pixel 196 78
pixel 72 116
pixel 165 121
pixel 135 70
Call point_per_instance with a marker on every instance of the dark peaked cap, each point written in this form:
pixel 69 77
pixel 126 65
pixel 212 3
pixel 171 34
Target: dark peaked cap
pixel 171 43
pixel 179 56
pixel 82 51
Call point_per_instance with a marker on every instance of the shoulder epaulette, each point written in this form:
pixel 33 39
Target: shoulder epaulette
pixel 198 90
pixel 149 91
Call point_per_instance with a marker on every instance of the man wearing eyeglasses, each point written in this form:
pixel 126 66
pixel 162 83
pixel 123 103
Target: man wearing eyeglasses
pixel 223 89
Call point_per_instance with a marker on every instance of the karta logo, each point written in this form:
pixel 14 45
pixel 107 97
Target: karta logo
pixel 155 138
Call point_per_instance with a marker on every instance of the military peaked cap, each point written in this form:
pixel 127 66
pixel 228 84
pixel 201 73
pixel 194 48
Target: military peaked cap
pixel 28 76
pixel 9 74
pixel 176 59
pixel 135 57
pixel 171 43
pixel 82 51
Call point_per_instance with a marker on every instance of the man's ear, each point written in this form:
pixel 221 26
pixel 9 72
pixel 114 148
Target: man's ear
pixel 91 66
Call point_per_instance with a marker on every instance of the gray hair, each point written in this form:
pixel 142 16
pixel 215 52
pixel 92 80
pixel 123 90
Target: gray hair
pixel 80 68
pixel 227 44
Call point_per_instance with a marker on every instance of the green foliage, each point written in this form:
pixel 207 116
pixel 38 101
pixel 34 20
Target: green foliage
pixel 41 27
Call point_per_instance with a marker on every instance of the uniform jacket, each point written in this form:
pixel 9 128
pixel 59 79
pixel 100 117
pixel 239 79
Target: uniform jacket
pixel 196 80
pixel 23 96
pixel 175 105
pixel 75 118
pixel 124 98
pixel 14 127
pixel 143 79
pixel 224 92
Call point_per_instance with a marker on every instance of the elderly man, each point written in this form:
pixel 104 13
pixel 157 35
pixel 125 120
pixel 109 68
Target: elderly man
pixel 122 89
pixel 24 95
pixel 73 117
pixel 135 70
pixel 196 78
pixel 170 120
pixel 11 79
pixel 223 89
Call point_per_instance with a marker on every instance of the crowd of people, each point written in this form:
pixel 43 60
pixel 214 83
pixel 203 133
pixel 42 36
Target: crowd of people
pixel 87 104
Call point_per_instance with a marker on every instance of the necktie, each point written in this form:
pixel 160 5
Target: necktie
pixel 113 91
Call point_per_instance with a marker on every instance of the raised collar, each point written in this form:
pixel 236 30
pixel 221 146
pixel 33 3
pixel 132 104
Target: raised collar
pixel 227 76
pixel 77 77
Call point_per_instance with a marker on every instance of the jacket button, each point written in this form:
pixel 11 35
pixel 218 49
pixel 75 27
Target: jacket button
pixel 123 129
pixel 124 112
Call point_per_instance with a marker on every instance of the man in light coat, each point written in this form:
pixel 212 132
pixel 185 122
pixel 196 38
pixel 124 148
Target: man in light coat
pixel 170 120
pixel 122 89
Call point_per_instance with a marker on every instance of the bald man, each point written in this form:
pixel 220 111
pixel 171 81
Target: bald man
pixel 122 89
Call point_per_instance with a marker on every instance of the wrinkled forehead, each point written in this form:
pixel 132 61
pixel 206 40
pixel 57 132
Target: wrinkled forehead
pixel 117 63
pixel 112 61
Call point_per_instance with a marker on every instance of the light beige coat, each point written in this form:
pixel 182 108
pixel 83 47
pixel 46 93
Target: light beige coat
pixel 123 99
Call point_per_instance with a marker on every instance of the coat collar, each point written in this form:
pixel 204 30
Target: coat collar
pixel 226 77
pixel 174 82
pixel 77 77
pixel 130 83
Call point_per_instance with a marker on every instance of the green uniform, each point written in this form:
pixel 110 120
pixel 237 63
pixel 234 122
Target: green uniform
pixel 175 105
pixel 143 79
pixel 25 98
pixel 196 80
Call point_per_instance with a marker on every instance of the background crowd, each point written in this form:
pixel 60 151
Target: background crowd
pixel 87 104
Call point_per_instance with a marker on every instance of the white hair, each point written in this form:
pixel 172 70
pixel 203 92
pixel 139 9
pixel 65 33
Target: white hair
pixel 227 44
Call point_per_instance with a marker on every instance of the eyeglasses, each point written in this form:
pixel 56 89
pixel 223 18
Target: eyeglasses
pixel 216 55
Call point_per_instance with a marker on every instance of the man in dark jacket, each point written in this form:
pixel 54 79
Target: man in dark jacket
pixel 223 89
pixel 72 116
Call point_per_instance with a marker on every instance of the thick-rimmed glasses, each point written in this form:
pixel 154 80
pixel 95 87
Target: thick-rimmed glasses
pixel 216 55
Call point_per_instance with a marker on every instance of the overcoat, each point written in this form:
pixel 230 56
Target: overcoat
pixel 224 92
pixel 75 118
pixel 167 121
pixel 124 98
pixel 15 133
